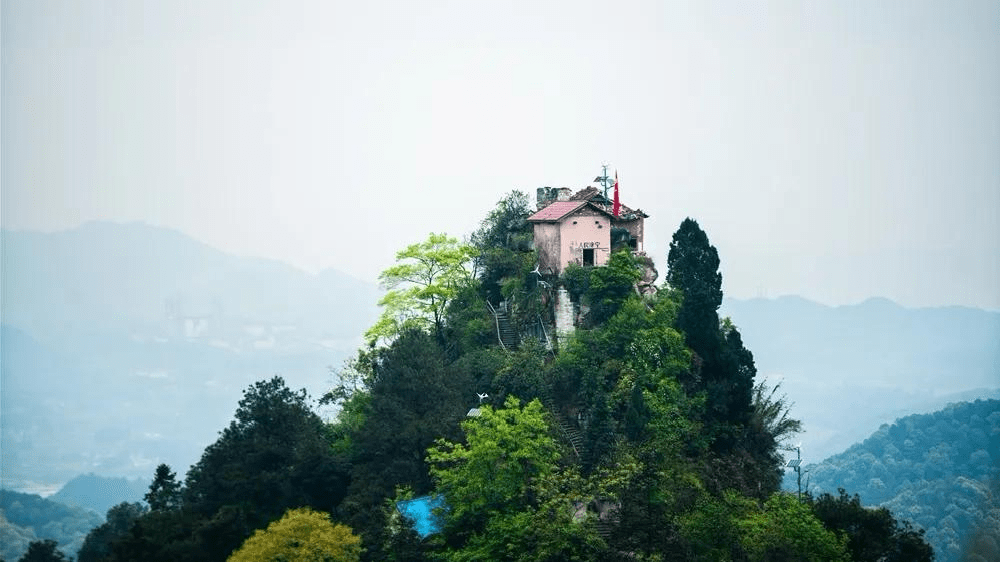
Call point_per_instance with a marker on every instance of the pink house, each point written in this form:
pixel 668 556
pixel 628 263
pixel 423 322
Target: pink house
pixel 581 229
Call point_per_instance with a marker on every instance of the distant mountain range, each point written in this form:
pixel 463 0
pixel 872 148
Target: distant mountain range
pixel 25 518
pixel 134 280
pixel 125 345
pixel 101 493
pixel 850 369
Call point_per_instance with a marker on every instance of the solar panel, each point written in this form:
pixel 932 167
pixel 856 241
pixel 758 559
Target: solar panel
pixel 794 463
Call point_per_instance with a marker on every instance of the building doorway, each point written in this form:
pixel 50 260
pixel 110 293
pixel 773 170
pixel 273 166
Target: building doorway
pixel 588 257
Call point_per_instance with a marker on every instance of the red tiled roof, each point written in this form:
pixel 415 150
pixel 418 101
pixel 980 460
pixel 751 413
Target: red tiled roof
pixel 556 210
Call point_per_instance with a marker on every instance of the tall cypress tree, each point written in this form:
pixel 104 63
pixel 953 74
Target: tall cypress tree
pixel 693 268
pixel 725 369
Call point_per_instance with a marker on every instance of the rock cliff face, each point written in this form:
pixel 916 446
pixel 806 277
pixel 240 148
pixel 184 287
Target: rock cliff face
pixel 647 284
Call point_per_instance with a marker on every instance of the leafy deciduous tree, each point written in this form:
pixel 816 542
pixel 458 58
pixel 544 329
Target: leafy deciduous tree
pixel 427 275
pixel 501 237
pixel 505 450
pixel 301 535
pixel 612 285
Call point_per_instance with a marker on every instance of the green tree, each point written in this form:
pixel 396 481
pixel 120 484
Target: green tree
pixel 119 520
pixel 735 527
pixel 274 455
pixel 301 535
pixel 505 450
pixel 786 529
pixel 771 412
pixel 413 398
pixel 610 286
pixel 165 491
pixel 427 275
pixel 723 368
pixel 506 498
pixel 502 236
pixel 873 534
pixel 43 551
pixel 693 268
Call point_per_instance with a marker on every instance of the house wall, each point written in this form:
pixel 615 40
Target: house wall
pixel 635 229
pixel 547 244
pixel 584 229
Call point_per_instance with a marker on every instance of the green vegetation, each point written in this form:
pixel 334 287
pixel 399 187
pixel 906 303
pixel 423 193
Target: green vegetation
pixel 641 436
pixel 27 518
pixel 44 551
pixel 117 524
pixel 937 470
pixel 421 284
pixel 301 535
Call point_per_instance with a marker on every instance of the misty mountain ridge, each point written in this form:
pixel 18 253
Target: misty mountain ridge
pixel 112 279
pixel 101 493
pixel 120 339
pixel 875 359
pixel 125 345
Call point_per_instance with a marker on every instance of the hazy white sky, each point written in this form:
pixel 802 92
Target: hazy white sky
pixel 835 150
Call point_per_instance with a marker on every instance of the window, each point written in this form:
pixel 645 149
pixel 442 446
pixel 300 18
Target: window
pixel 588 257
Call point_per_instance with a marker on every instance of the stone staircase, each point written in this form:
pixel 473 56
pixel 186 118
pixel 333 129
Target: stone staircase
pixel 570 432
pixel 604 527
pixel 505 328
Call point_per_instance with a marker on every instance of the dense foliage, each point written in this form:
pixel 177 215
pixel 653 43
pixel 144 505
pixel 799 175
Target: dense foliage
pixel 301 535
pixel 937 470
pixel 116 526
pixel 425 278
pixel 639 436
pixel 872 534
pixel 27 518
pixel 44 551
pixel 275 455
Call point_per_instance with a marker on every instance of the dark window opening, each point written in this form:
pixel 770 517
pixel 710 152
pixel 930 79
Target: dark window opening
pixel 588 257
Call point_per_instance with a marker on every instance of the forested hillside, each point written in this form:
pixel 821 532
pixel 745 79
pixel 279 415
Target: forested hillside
pixel 640 434
pixel 938 470
pixel 25 518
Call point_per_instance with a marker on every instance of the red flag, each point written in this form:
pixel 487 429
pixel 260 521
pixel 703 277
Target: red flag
pixel 618 205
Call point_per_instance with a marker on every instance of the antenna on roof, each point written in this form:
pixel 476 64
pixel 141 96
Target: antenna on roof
pixel 603 179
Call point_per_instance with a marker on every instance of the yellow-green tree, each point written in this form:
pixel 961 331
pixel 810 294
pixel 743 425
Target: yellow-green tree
pixel 302 535
pixel 427 275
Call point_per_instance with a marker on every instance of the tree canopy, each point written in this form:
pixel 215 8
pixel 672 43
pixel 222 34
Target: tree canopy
pixel 301 535
pixel 165 491
pixel 643 434
pixel 426 276
pixel 693 269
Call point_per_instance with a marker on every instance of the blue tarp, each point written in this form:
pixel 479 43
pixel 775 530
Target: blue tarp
pixel 421 511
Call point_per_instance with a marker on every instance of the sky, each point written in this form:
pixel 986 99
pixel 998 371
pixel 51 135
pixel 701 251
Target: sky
pixel 833 150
